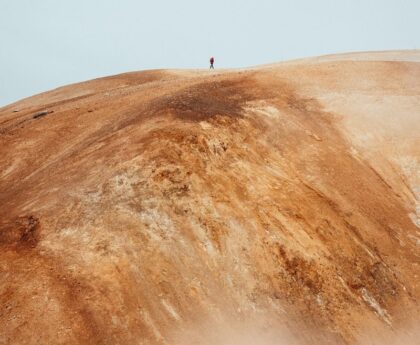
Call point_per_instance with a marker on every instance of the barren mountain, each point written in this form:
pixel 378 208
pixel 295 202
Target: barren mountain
pixel 273 205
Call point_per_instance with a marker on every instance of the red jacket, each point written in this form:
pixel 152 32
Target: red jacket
pixel 212 60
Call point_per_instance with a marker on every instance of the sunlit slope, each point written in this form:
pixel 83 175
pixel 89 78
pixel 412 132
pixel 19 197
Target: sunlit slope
pixel 278 203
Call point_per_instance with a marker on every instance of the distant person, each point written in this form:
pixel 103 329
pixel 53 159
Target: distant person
pixel 212 62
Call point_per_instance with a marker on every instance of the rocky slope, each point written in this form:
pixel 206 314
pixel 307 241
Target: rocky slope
pixel 273 205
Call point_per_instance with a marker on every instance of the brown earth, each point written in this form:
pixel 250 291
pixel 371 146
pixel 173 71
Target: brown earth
pixel 273 205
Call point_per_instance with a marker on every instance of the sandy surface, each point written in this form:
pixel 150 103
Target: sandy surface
pixel 275 205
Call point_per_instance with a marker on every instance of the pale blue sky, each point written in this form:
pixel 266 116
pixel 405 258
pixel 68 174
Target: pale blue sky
pixel 48 43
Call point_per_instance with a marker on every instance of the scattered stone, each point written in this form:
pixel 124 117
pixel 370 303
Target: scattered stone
pixel 42 113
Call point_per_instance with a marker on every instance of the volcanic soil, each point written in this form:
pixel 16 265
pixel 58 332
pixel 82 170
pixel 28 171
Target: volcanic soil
pixel 273 205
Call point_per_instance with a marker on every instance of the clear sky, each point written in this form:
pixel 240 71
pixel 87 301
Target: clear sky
pixel 50 43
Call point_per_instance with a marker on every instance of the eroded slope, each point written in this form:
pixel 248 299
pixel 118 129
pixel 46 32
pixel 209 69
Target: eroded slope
pixel 171 207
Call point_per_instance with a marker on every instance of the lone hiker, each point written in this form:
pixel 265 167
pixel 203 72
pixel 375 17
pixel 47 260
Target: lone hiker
pixel 211 62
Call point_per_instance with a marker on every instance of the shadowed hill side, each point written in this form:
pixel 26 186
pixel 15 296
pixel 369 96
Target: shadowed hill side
pixel 276 204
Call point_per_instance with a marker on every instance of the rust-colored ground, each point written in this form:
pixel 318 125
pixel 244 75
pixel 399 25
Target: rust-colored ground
pixel 275 205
